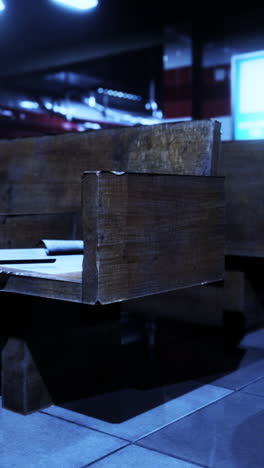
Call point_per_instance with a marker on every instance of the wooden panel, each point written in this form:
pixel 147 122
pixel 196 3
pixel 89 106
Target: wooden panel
pixel 33 285
pixel 242 162
pixel 43 174
pixel 145 234
pixel 26 231
pixel 59 280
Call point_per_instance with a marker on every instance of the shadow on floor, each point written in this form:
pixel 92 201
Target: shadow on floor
pixel 78 353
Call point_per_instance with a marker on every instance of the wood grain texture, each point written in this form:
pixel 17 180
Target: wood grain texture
pixel 242 162
pixel 25 231
pixel 44 174
pixel 66 288
pixel 145 234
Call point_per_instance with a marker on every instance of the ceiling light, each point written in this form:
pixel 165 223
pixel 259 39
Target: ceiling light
pixel 90 101
pixel 30 105
pixel 48 105
pixel 78 4
pixel 2 5
pixel 118 94
pixel 93 126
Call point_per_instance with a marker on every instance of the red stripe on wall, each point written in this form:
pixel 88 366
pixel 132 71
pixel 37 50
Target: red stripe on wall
pixel 214 107
pixel 178 92
pixel 182 108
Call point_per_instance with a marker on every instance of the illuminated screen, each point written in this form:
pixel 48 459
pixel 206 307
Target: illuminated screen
pixel 247 82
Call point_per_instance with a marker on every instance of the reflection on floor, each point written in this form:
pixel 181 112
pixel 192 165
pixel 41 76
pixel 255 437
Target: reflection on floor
pixel 194 402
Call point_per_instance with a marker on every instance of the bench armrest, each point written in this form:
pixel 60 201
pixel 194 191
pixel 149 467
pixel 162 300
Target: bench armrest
pixel 150 233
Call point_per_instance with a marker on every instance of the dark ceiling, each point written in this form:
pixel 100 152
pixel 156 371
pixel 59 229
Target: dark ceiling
pixel 38 36
pixel 31 27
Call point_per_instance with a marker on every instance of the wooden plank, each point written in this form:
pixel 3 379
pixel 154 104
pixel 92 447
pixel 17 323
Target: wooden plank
pixel 67 288
pixel 44 174
pixel 60 280
pixel 26 230
pixel 242 162
pixel 145 234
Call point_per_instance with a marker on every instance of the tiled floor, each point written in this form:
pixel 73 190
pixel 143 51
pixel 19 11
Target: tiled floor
pixel 196 404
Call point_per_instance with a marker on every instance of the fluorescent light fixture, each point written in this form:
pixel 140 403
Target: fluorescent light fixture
pixel 30 105
pixel 2 6
pixel 78 4
pixel 48 105
pixel 118 94
pixel 91 125
pixel 6 113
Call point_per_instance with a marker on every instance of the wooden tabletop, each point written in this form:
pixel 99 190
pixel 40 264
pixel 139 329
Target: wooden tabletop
pixel 69 265
pixel 59 280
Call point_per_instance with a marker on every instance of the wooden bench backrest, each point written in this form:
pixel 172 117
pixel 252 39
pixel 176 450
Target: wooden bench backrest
pixel 150 233
pixel 41 176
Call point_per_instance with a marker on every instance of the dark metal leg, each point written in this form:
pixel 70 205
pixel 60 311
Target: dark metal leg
pixel 23 389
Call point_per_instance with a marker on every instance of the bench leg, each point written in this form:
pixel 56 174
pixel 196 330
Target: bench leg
pixel 23 389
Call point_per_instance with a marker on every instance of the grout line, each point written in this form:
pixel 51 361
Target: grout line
pixel 213 383
pixel 149 433
pixel 234 389
pixel 162 452
pixel 218 386
pixel 151 450
pixel 253 394
pixel 106 456
pixel 182 417
pixel 86 427
pixel 250 383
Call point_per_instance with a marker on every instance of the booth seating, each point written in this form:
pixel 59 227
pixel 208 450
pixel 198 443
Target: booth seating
pixel 147 204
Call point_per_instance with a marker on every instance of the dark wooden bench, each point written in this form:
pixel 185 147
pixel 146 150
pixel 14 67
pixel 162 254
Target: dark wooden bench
pixel 147 204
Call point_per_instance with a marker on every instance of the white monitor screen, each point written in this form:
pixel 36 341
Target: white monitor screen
pixel 247 85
